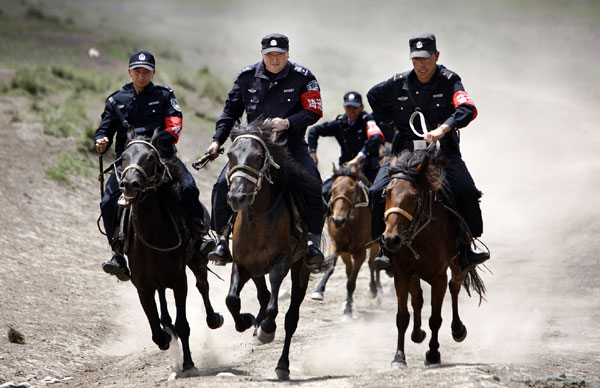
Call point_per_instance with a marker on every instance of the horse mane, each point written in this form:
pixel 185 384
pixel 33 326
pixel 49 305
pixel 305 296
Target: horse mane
pixel 291 174
pixel 354 173
pixel 424 166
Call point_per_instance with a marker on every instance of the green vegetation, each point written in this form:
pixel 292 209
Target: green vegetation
pixel 211 86
pixel 69 165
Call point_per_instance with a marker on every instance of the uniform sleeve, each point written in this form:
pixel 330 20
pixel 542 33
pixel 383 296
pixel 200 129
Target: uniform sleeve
pixel 312 105
pixel 109 122
pixel 326 129
pixel 234 109
pixel 465 110
pixel 173 117
pixel 381 98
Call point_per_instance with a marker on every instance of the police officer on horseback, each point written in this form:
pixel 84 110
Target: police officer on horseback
pixel 288 95
pixel 145 106
pixel 357 134
pixel 438 94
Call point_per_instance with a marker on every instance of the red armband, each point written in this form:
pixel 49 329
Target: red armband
pixel 311 100
pixel 173 125
pixel 373 129
pixel 462 97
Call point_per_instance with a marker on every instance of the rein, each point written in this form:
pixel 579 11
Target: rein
pixel 243 171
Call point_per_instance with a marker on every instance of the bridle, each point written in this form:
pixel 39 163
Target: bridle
pixel 251 174
pixel 418 221
pixel 353 203
pixel 151 182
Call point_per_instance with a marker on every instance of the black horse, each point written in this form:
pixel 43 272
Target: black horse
pixel 159 244
pixel 266 236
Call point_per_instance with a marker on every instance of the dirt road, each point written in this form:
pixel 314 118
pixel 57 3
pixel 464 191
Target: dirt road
pixel 532 151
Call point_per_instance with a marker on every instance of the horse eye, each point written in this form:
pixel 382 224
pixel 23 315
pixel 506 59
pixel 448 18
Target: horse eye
pixel 151 158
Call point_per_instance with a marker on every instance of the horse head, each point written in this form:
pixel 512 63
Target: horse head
pixel 250 162
pixel 348 192
pixel 414 176
pixel 143 169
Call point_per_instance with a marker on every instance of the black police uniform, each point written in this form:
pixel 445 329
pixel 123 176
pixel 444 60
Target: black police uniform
pixel 442 100
pixel 293 93
pixel 353 138
pixel 155 106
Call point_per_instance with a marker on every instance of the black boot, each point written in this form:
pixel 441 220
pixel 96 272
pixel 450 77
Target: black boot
pixel 117 266
pixel 383 260
pixel 202 243
pixel 469 259
pixel 314 258
pixel 221 255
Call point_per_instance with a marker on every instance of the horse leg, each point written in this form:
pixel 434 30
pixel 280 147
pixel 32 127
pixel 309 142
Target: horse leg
pixel 318 293
pixel 159 336
pixel 266 330
pixel 263 295
pixel 402 317
pixel 416 300
pixel 375 283
pixel 352 274
pixel 438 290
pixel 214 320
pixel 181 323
pixel 165 318
pixel 459 331
pixel 239 277
pixel 300 276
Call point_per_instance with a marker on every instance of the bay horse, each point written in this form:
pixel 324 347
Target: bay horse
pixel 349 226
pixel 158 244
pixel 266 237
pixel 424 241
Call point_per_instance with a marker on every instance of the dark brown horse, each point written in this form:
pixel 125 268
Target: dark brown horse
pixel 349 226
pixel 266 237
pixel 424 241
pixel 159 245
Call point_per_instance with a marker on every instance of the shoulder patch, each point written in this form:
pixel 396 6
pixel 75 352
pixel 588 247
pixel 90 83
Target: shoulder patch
pixel 300 69
pixel 245 69
pixel 313 85
pixel 163 87
pixel 175 105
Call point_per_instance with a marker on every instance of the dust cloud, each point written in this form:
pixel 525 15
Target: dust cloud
pixel 531 68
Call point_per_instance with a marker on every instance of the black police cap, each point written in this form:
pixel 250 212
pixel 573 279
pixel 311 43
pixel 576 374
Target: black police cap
pixel 352 99
pixel 422 45
pixel 275 43
pixel 142 59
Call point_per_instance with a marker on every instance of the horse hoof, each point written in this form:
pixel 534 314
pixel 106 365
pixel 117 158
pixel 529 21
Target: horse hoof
pixel 317 295
pixel 216 321
pixel 418 336
pixel 432 357
pixel 190 372
pixel 460 335
pixel 264 338
pixel 282 374
pixel 346 317
pixel 397 365
pixel 247 321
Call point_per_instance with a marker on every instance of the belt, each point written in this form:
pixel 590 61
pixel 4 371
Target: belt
pixel 411 145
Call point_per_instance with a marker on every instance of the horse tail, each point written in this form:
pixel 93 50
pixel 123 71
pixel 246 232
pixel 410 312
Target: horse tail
pixel 472 281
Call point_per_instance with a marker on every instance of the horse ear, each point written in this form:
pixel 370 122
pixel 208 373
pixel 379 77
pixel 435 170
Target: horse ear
pixel 335 170
pixel 130 134
pixel 423 165
pixel 155 135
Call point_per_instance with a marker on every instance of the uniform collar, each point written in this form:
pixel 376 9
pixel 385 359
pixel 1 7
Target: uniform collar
pixel 412 82
pixel 147 90
pixel 261 71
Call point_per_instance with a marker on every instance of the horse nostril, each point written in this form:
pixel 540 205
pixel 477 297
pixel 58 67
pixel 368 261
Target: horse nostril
pixel 396 240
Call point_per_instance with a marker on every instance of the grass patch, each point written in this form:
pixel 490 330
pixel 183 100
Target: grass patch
pixel 28 80
pixel 67 167
pixel 67 119
pixel 211 86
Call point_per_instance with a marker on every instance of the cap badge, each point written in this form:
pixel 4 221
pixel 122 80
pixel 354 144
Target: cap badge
pixel 351 97
pixel 419 45
pixel 142 57
pixel 273 42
